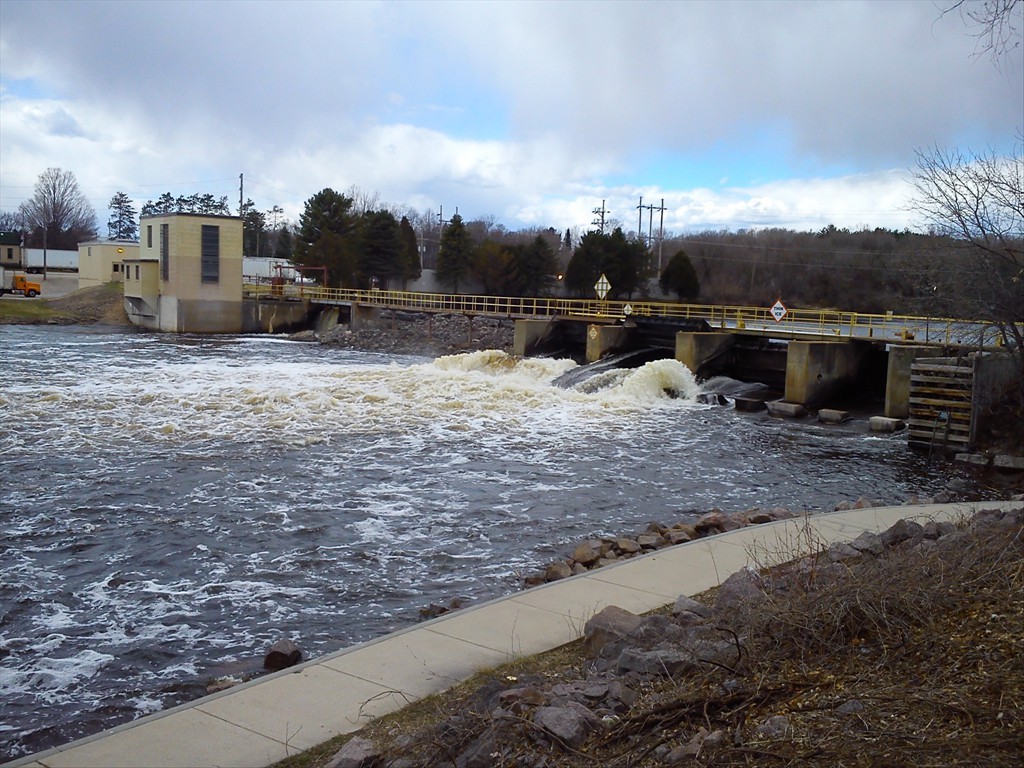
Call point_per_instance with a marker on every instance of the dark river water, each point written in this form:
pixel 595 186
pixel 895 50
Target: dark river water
pixel 170 506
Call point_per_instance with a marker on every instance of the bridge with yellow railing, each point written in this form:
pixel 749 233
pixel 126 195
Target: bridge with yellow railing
pixel 755 321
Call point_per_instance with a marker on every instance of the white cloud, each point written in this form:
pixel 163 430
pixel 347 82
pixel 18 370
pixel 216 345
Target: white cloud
pixel 532 112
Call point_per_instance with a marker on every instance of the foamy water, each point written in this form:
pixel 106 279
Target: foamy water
pixel 170 506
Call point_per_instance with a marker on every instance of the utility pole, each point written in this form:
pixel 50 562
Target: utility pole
pixel 600 213
pixel 441 220
pixel 241 186
pixel 661 233
pixel 640 218
pixel 649 239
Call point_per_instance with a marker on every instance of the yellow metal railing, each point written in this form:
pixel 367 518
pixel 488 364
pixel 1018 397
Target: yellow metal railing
pixel 751 320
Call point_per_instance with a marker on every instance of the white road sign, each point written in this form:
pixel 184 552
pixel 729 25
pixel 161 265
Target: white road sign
pixel 602 286
pixel 779 311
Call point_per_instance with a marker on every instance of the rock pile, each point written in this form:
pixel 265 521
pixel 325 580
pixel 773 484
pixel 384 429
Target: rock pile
pixel 410 333
pixel 598 552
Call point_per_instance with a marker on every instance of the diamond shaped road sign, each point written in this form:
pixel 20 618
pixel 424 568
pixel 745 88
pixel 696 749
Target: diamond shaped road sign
pixel 602 286
pixel 779 310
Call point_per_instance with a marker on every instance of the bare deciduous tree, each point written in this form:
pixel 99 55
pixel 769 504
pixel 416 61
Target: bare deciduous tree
pixel 978 201
pixel 995 23
pixel 58 211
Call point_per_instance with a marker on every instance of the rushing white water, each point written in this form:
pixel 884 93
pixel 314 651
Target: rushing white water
pixel 170 506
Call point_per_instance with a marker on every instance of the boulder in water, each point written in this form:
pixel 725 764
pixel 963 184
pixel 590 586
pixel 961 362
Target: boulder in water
pixel 283 654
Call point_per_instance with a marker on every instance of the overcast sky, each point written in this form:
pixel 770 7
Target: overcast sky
pixel 737 114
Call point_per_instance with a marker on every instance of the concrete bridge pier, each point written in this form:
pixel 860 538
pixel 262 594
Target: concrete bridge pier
pixel 529 333
pixel 897 380
pixel 816 370
pixel 364 316
pixel 603 338
pixel 694 349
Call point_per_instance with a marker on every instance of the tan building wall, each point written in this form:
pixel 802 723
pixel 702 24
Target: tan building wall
pixel 10 250
pixel 193 299
pixel 102 261
pixel 142 292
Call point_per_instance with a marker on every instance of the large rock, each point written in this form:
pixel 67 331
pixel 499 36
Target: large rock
pixel 688 611
pixel 742 588
pixel 587 552
pixel 868 543
pixel 758 516
pixel 671 659
pixel 357 753
pixel 606 626
pixel 900 531
pixel 935 529
pixel 841 552
pixel 651 541
pixel 627 546
pixel 284 653
pixel 567 724
pixel 557 570
pixel 714 522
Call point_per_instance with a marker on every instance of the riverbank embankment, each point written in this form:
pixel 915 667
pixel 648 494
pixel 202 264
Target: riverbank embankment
pixel 832 638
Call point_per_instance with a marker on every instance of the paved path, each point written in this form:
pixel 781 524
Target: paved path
pixel 266 720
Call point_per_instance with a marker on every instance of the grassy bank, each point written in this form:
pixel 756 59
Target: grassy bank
pixel 100 304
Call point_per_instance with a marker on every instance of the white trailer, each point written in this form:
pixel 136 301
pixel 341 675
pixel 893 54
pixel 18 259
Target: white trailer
pixel 57 260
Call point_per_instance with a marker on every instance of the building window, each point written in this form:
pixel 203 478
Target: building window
pixel 165 256
pixel 136 271
pixel 210 268
pixel 149 235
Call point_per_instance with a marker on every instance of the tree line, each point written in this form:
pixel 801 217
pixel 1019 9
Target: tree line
pixel 969 264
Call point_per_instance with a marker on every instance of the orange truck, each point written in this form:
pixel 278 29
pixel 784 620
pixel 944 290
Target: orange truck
pixel 12 282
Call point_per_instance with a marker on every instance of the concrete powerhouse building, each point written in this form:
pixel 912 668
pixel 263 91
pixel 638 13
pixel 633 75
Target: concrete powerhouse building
pixel 187 277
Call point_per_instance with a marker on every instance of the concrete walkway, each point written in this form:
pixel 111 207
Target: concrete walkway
pixel 266 720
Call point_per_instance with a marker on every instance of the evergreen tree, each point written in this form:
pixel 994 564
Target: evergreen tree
pixel 455 254
pixel 325 237
pixel 380 252
pixel 283 244
pixel 679 277
pixel 412 268
pixel 253 225
pixel 123 223
pixel 534 266
pixel 195 203
pixel 492 266
pixel 617 258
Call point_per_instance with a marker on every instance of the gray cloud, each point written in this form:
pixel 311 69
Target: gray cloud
pixel 503 104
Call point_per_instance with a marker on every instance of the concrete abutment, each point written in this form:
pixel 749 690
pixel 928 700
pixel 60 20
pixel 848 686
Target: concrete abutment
pixel 818 370
pixel 694 349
